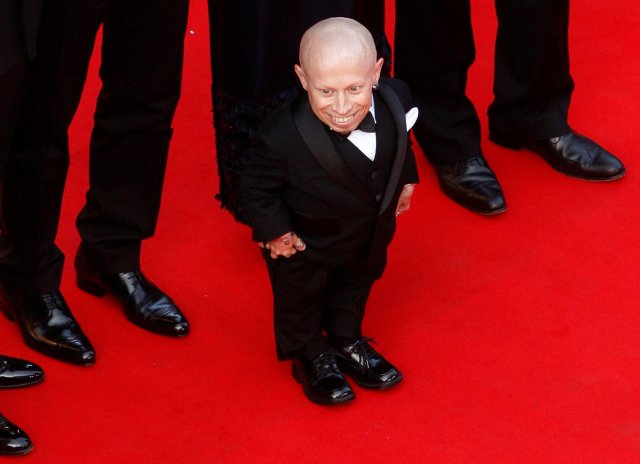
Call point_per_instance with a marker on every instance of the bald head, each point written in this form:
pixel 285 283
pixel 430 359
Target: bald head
pixel 336 39
pixel 338 69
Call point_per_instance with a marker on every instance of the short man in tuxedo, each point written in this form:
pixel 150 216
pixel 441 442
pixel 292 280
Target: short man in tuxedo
pixel 532 88
pixel 142 49
pixel 322 195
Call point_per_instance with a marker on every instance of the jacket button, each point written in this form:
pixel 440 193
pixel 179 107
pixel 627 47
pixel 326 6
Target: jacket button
pixel 379 197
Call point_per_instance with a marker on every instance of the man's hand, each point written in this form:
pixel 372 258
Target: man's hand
pixel 404 202
pixel 287 245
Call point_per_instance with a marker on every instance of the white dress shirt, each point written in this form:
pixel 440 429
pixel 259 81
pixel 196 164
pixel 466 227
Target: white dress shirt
pixel 366 141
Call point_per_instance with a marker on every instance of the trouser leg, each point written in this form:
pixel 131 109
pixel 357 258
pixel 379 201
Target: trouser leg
pixel 347 296
pixel 532 83
pixel 141 71
pixel 434 49
pixel 39 153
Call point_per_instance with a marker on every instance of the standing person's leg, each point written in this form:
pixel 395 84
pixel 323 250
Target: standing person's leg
pixel 533 89
pixel 434 49
pixel 141 71
pixel 532 84
pixel 347 295
pixel 31 266
pixel 299 288
pixel 39 154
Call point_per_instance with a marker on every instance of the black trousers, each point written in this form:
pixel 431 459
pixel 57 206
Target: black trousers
pixel 142 51
pixel 310 298
pixel 11 88
pixel 532 85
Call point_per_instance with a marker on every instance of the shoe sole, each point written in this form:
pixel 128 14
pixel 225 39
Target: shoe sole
pixel 482 212
pixel 23 384
pixel 17 453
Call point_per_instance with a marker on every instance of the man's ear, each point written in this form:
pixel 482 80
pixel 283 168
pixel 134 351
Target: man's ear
pixel 300 74
pixel 377 70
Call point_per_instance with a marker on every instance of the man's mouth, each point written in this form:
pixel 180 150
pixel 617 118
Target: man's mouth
pixel 343 119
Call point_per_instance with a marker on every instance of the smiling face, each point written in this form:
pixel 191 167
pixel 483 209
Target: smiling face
pixel 338 70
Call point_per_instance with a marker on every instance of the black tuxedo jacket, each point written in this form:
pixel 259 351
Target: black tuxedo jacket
pixel 296 180
pixel 19 21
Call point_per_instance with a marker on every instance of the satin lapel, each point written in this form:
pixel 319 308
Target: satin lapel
pixel 322 148
pixel 397 111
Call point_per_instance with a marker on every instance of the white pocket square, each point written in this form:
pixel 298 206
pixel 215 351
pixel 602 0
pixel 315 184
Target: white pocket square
pixel 412 117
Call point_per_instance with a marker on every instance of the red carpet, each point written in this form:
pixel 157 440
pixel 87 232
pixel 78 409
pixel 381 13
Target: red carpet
pixel 519 335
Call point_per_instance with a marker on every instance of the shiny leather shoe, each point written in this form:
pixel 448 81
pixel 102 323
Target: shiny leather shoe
pixel 322 381
pixel 367 367
pixel 573 155
pixel 472 184
pixel 144 304
pixel 13 440
pixel 16 372
pixel 48 326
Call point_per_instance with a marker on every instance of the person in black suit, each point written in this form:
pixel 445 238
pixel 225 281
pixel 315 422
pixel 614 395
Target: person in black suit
pixel 532 87
pixel 142 50
pixel 322 193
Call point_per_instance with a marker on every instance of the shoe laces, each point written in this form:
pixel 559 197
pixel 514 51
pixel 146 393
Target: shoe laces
pixel 462 166
pixel 364 347
pixel 133 276
pixel 325 364
pixel 52 301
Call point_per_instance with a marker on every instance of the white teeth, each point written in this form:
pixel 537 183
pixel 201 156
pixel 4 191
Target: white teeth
pixel 341 120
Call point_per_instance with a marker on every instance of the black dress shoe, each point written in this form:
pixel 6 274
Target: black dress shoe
pixel 472 184
pixel 367 367
pixel 48 326
pixel 13 440
pixel 322 381
pixel 144 304
pixel 574 155
pixel 16 372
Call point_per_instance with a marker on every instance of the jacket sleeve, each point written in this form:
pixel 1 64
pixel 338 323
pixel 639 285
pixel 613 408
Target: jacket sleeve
pixel 262 184
pixel 410 169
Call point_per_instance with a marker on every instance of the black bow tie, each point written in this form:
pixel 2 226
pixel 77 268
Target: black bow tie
pixel 368 124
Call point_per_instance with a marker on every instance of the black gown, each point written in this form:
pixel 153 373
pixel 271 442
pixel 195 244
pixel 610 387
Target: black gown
pixel 254 45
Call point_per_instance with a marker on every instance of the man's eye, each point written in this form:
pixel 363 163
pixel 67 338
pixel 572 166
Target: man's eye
pixel 325 92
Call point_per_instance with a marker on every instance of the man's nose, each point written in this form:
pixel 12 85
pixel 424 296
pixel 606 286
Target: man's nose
pixel 342 103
